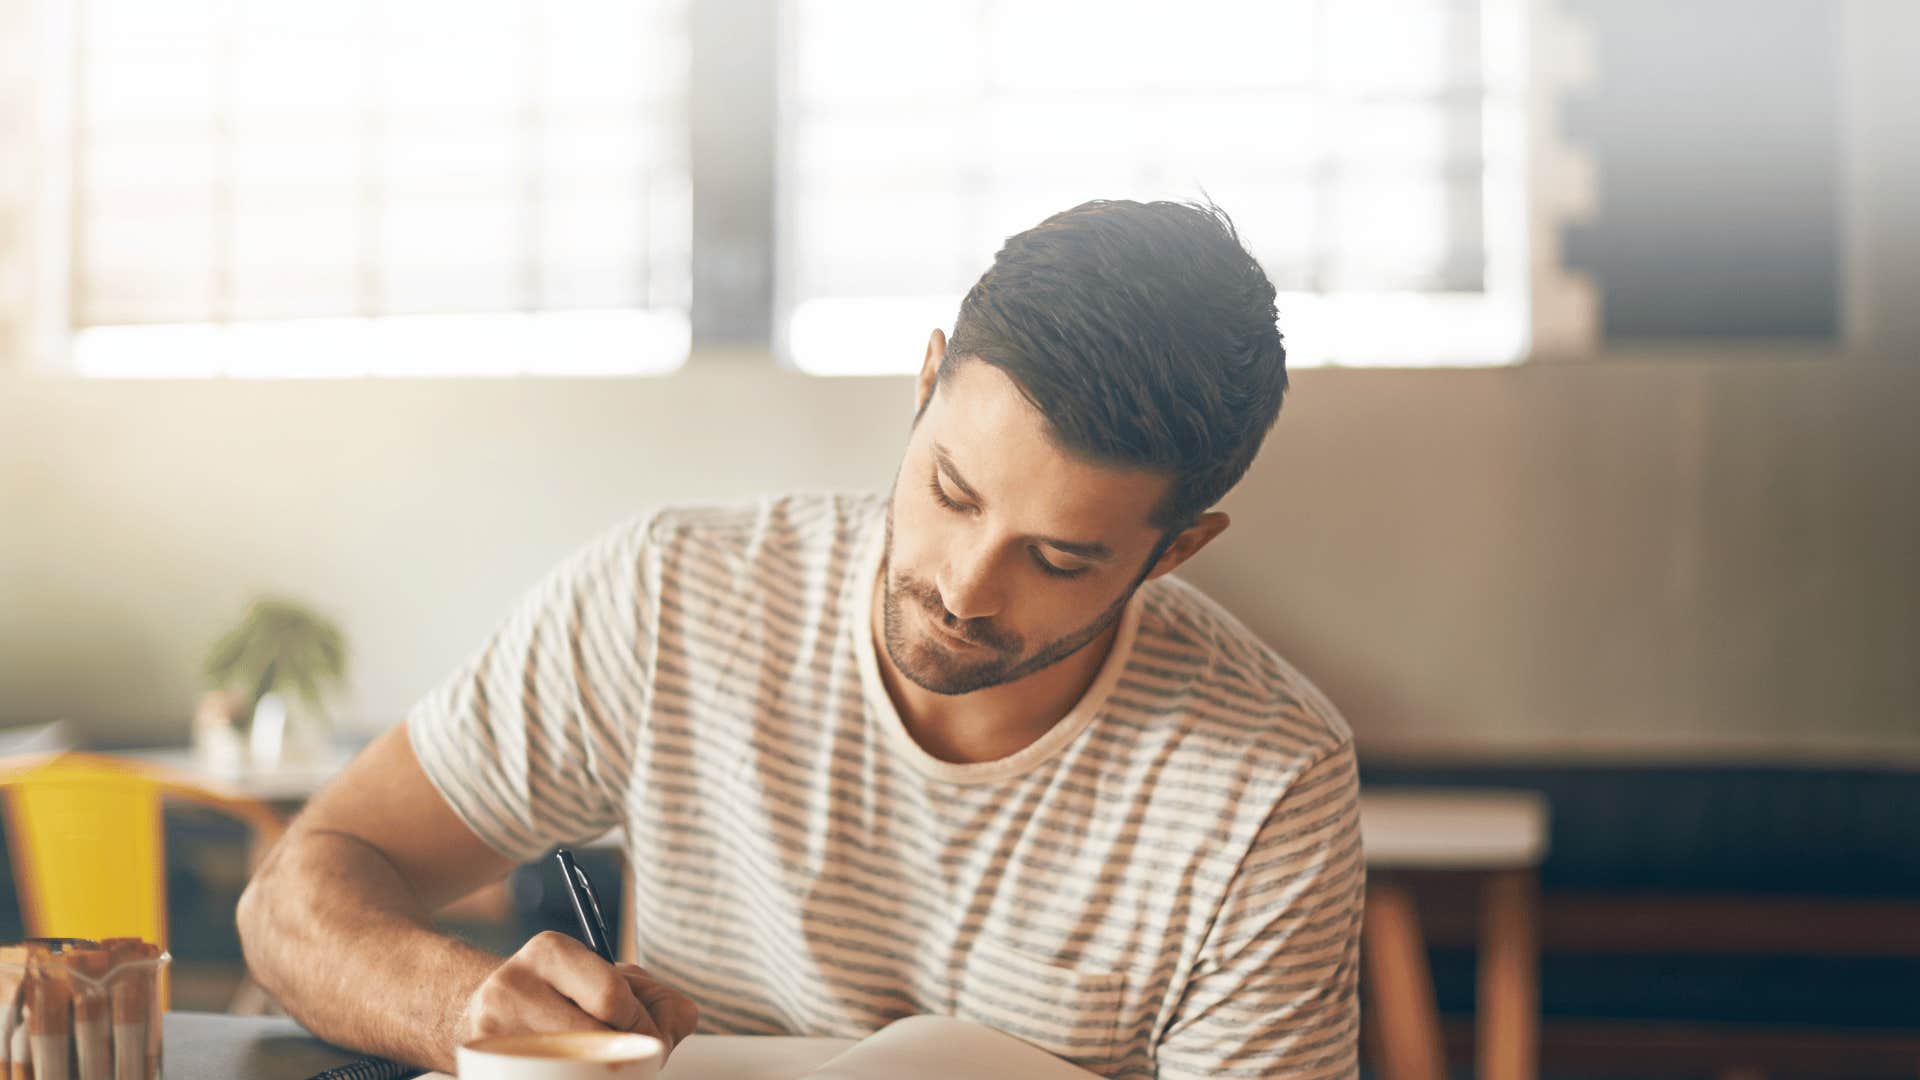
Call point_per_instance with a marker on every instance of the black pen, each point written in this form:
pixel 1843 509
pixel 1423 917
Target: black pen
pixel 586 905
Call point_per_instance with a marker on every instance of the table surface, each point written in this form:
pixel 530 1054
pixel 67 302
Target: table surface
pixel 211 1046
pixel 1402 828
pixel 295 782
pixel 1453 828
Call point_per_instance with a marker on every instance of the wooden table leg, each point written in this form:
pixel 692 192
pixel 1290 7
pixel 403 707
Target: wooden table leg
pixel 1403 1018
pixel 1508 1024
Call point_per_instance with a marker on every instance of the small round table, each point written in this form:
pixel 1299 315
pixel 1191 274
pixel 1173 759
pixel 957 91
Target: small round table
pixel 1500 835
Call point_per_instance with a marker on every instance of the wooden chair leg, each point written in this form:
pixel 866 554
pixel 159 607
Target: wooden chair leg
pixel 1508 1025
pixel 1405 1020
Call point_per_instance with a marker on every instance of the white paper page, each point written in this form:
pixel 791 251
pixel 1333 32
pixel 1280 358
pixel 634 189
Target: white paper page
pixel 748 1057
pixel 942 1048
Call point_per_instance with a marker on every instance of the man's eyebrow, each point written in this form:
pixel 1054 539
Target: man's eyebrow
pixel 946 462
pixel 1092 551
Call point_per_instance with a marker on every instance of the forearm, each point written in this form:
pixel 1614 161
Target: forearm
pixel 332 930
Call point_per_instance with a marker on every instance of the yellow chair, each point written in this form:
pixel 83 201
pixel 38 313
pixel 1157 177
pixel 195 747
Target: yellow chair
pixel 84 834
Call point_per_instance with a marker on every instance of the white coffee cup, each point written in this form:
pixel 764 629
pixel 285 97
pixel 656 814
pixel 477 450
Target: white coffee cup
pixel 561 1055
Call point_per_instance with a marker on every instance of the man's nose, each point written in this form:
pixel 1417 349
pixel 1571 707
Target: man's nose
pixel 967 586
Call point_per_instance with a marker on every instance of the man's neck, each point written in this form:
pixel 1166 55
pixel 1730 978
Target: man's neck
pixel 989 724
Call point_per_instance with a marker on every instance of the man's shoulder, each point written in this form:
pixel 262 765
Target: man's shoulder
pixel 1204 663
pixel 795 528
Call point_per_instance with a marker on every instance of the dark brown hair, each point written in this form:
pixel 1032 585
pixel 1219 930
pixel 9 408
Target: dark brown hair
pixel 1146 335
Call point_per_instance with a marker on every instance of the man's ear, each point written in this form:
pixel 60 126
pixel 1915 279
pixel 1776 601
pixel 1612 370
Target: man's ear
pixel 929 371
pixel 1190 541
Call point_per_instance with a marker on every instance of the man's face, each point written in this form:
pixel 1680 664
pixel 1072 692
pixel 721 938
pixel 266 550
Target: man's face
pixel 1005 554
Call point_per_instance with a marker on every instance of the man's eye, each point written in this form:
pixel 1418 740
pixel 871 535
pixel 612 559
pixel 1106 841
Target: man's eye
pixel 1052 570
pixel 940 493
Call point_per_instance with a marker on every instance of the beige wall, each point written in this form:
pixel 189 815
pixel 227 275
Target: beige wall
pixel 1637 555
pixel 1706 552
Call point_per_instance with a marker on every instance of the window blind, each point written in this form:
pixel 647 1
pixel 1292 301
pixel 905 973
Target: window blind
pixel 1369 150
pixel 430 186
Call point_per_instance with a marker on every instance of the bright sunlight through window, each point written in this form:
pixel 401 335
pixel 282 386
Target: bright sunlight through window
pixel 1370 151
pixel 278 188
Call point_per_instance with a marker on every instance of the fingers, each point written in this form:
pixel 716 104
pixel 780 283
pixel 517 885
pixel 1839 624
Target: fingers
pixel 515 999
pixel 592 984
pixel 554 983
pixel 674 1015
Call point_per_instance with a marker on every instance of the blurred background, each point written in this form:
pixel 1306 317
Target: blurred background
pixel 1600 479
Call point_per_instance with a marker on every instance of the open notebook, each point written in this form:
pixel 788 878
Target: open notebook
pixel 922 1047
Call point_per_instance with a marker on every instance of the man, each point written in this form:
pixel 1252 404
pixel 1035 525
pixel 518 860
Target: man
pixel 962 750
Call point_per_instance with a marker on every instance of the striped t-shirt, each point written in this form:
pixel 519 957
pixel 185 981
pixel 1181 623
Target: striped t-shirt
pixel 1166 883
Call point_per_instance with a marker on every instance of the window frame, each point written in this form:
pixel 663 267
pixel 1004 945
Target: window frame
pixel 740 54
pixel 56 225
pixel 1558 309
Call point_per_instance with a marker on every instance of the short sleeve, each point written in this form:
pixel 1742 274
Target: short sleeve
pixel 531 741
pixel 1274 991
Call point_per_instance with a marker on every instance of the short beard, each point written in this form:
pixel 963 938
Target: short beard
pixel 939 672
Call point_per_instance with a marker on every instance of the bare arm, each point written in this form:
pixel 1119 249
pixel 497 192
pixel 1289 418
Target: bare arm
pixel 336 925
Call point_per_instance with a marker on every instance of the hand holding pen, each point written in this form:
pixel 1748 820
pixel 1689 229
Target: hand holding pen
pixel 557 983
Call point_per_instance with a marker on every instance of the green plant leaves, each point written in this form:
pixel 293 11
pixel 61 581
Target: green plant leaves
pixel 280 645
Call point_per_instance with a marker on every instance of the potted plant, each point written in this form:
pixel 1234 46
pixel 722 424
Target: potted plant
pixel 270 674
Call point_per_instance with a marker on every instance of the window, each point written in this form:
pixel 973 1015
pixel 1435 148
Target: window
pixel 289 188
pixel 267 187
pixel 1371 152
